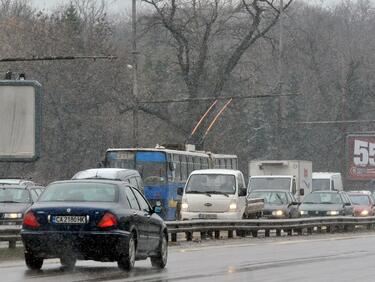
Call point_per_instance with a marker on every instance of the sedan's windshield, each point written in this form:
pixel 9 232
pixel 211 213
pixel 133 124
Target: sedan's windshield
pixel 211 183
pixel 323 198
pixel 80 192
pixel 360 200
pixel 271 198
pixel 14 195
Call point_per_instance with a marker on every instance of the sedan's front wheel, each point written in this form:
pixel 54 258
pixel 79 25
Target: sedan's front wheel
pixel 127 260
pixel 33 262
pixel 161 260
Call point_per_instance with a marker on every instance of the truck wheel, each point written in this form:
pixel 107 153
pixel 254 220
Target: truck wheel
pixel 33 262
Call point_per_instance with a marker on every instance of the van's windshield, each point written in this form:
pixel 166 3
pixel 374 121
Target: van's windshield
pixel 211 183
pixel 321 185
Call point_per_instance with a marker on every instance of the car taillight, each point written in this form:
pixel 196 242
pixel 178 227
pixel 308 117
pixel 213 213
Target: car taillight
pixel 30 220
pixel 108 220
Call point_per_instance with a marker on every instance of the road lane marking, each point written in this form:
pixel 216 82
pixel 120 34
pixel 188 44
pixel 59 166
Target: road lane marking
pixel 185 250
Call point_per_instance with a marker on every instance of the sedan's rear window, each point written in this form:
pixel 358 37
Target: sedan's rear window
pixel 80 192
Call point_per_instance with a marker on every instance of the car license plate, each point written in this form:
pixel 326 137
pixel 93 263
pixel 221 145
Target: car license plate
pixel 69 219
pixel 207 216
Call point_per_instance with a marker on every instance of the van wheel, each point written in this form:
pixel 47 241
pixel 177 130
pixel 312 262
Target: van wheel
pixel 161 260
pixel 33 262
pixel 127 260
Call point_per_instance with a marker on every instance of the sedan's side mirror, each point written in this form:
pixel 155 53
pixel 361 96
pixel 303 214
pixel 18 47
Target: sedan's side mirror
pixel 180 191
pixel 157 208
pixel 302 192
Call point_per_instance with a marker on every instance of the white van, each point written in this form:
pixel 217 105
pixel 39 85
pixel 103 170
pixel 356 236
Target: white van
pixel 327 181
pixel 214 194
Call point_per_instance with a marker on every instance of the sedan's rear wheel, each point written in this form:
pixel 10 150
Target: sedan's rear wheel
pixel 127 260
pixel 68 262
pixel 33 262
pixel 161 260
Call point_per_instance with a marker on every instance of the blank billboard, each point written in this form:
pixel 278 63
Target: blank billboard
pixel 20 116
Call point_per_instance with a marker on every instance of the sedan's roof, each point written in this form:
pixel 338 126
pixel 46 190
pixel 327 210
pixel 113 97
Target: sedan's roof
pixel 118 174
pixel 116 182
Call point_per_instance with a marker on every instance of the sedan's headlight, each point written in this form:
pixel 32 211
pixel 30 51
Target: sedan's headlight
pixel 333 212
pixel 303 212
pixel 364 212
pixel 12 215
pixel 278 213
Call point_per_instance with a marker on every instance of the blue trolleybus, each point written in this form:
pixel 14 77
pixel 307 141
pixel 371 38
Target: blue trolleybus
pixel 164 171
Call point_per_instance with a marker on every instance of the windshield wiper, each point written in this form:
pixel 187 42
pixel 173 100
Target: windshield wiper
pixel 326 203
pixel 308 203
pixel 219 192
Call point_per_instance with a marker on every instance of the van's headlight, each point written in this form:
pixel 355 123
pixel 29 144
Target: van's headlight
pixel 333 212
pixel 184 205
pixel 233 206
pixel 303 212
pixel 12 215
pixel 364 212
pixel 278 213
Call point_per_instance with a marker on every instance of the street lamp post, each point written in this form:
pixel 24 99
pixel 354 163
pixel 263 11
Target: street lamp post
pixel 135 73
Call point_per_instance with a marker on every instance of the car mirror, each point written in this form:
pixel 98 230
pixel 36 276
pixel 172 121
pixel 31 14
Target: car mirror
pixel 180 191
pixel 242 191
pixel 157 208
pixel 302 192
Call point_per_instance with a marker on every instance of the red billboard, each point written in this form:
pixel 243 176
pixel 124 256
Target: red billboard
pixel 361 157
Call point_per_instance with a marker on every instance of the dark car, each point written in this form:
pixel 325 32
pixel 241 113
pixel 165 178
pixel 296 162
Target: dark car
pixel 15 200
pixel 326 203
pixel 130 176
pixel 100 220
pixel 277 204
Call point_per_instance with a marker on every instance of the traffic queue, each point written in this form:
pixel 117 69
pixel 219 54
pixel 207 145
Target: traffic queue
pixel 103 214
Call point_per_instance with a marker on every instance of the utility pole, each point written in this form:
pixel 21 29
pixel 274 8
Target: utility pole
pixel 280 82
pixel 135 72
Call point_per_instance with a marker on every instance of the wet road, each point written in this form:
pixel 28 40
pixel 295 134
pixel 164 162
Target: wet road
pixel 337 257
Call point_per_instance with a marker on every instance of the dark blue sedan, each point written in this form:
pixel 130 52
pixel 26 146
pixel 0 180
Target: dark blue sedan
pixel 98 220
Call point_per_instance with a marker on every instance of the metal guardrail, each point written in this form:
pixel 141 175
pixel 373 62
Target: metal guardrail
pixel 241 227
pixel 253 226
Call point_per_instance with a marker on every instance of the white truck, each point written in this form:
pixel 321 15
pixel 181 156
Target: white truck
pixel 218 194
pixel 288 175
pixel 327 181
